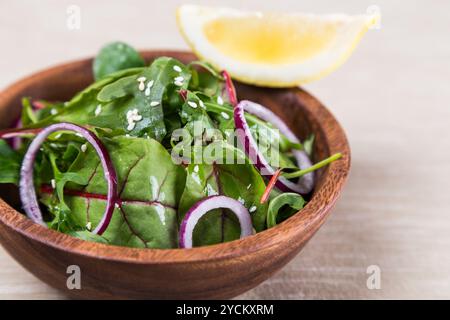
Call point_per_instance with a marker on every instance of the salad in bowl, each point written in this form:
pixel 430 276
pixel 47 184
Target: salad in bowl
pixel 156 156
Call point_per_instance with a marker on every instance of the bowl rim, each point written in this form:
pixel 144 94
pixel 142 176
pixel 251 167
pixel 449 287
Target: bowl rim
pixel 309 219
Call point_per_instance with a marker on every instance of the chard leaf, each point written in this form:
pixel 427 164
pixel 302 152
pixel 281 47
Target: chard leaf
pixel 10 163
pixel 88 236
pixel 149 187
pixel 238 181
pixel 282 207
pixel 114 57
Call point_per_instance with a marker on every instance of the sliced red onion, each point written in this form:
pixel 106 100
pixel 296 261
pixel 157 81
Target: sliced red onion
pixel 17 132
pixel 207 204
pixel 16 141
pixel 305 183
pixel 26 185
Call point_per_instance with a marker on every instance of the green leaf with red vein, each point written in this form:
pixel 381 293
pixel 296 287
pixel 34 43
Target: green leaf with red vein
pixel 150 187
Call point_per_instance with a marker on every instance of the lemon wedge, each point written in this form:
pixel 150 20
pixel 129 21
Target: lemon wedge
pixel 271 49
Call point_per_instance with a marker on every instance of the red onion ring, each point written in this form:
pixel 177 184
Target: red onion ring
pixel 26 184
pixel 305 183
pixel 202 207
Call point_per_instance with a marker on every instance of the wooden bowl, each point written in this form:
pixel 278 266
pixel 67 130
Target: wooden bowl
pixel 217 271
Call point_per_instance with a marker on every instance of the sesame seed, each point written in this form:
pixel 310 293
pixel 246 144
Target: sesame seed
pixel 225 115
pixel 154 103
pixel 180 79
pixel 116 205
pixel 177 68
pixel 89 226
pixel 53 111
pixel 132 117
pixel 131 126
pixel 192 104
pixel 98 110
pixel 150 84
pixel 58 136
pixel 178 83
pixel 83 147
pixel 79 135
pixel 252 209
pixel 141 86
pixel 53 183
pixel 248 187
pixel 196 169
pixel 141 79
pixel 147 91
pixel 220 100
pixel 202 105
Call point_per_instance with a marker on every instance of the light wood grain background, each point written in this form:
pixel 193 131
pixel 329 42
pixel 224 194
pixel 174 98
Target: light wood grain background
pixel 392 97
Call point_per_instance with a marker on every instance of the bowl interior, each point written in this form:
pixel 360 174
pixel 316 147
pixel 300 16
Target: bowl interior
pixel 302 112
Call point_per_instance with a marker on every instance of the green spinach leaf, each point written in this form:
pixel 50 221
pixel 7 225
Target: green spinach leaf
pixel 114 57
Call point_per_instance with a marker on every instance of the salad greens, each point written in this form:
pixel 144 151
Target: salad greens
pixel 144 115
pixel 114 57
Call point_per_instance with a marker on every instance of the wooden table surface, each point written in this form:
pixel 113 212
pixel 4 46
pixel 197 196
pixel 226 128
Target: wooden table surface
pixel 392 97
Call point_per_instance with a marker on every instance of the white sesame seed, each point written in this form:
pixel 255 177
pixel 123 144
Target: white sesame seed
pixel 154 103
pixel 252 209
pixel 116 205
pixel 248 187
pixel 132 117
pixel 196 169
pixel 242 201
pixel 150 83
pixel 98 110
pixel 141 86
pixel 220 100
pixel 53 111
pixel 79 135
pixel 53 183
pixel 177 68
pixel 180 79
pixel 147 91
pixel 192 104
pixel 141 79
pixel 127 135
pixel 131 126
pixel 225 115
pixel 89 226
pixel 202 105
pixel 178 83
pixel 58 136
pixel 83 147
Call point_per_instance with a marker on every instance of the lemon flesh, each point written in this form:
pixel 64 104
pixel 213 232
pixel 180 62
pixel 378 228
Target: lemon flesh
pixel 270 41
